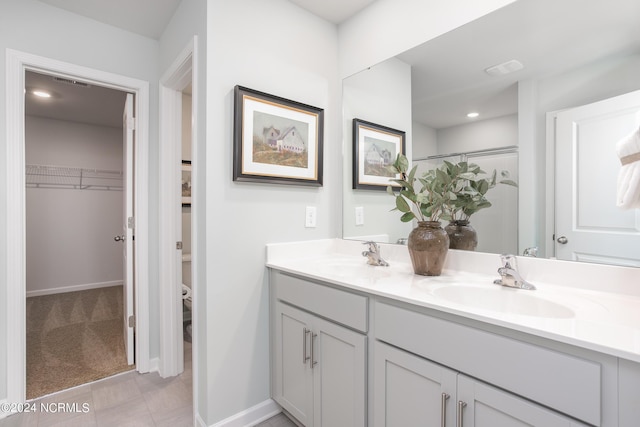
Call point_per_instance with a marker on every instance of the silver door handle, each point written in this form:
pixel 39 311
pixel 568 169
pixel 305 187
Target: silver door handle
pixel 562 240
pixel 119 238
pixel 443 410
pixel 305 356
pixel 461 406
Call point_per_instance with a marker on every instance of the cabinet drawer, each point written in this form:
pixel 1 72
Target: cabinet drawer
pixel 339 306
pixel 557 380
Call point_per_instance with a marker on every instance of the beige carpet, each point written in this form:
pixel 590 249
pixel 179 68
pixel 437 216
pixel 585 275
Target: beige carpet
pixel 74 338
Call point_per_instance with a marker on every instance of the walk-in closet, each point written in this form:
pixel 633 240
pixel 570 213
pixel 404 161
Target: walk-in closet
pixel 74 214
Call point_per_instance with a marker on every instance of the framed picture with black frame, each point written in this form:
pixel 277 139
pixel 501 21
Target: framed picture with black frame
pixel 186 183
pixel 276 140
pixel 375 147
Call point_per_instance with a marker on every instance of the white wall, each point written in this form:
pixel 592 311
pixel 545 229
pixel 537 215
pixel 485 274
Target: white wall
pixel 425 141
pixel 296 60
pixel 479 135
pixel 36 28
pixel 381 95
pixel 70 231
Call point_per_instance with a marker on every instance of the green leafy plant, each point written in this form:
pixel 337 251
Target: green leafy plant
pixel 453 191
pixel 468 185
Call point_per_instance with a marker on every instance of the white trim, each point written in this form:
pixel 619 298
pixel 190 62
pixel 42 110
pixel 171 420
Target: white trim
pixel 73 288
pixel 549 226
pixel 153 364
pixel 16 64
pixel 174 80
pixel 252 416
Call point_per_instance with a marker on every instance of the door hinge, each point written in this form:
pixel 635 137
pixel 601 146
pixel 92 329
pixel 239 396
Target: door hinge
pixel 131 123
pixel 132 321
pixel 130 222
pixel 179 245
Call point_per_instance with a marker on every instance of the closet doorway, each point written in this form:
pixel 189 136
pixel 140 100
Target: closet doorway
pixel 79 239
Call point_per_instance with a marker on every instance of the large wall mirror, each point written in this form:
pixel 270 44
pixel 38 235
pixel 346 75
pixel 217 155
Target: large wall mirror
pixel 556 86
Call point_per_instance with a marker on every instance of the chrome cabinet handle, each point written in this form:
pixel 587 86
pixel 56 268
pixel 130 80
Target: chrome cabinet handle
pixel 119 238
pixel 562 240
pixel 314 362
pixel 305 356
pixel 443 410
pixel 461 406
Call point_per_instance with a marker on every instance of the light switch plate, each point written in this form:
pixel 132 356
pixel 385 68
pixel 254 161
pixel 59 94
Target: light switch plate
pixel 310 217
pixel 359 215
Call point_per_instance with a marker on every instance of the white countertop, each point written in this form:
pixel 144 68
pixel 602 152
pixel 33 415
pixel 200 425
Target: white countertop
pixel 591 306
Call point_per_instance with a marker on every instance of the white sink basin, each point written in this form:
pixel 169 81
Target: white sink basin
pixel 504 300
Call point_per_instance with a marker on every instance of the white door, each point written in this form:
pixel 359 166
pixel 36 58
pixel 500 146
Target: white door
pixel 589 226
pixel 128 226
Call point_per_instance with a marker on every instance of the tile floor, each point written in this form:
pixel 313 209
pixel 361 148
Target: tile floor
pixel 279 420
pixel 128 399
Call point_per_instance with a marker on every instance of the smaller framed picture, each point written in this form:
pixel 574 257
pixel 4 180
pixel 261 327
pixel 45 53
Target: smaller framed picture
pixel 275 140
pixel 374 148
pixel 186 183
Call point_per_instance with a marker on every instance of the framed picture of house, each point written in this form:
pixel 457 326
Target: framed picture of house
pixel 276 140
pixel 374 148
pixel 186 183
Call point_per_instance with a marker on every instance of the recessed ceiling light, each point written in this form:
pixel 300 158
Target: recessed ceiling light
pixel 41 94
pixel 473 115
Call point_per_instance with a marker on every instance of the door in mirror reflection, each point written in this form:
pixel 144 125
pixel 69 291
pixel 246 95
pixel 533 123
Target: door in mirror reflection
pixel 589 226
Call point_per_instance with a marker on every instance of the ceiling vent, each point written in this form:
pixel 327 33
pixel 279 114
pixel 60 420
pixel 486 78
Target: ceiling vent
pixel 505 68
pixel 71 82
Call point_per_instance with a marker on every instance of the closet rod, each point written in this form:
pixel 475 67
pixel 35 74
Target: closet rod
pixel 486 151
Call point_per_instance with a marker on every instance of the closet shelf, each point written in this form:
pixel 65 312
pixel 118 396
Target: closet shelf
pixel 47 176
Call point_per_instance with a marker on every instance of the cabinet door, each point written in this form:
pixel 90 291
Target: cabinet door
pixel 411 391
pixel 486 406
pixel 293 377
pixel 339 375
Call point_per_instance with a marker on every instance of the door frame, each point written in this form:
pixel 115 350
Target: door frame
pixel 17 63
pixel 180 73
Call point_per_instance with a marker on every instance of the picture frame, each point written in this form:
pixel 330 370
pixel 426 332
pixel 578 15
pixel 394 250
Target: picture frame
pixel 186 183
pixel 276 140
pixel 374 148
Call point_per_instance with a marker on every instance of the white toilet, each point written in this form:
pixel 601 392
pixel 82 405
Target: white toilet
pixel 186 296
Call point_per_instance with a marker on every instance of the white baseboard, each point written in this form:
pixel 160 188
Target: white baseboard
pixel 154 365
pixel 63 289
pixel 250 417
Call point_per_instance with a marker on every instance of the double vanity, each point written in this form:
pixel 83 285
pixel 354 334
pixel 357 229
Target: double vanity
pixel 359 345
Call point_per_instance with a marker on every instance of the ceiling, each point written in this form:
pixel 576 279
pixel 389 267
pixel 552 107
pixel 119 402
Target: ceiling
pixel 101 106
pixel 546 36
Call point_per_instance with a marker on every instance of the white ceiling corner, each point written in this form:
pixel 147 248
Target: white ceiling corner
pixel 148 18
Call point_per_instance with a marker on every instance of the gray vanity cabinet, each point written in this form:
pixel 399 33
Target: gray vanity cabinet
pixel 318 363
pixel 413 391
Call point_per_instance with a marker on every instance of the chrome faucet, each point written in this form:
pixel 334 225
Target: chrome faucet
pixel 532 251
pixel 373 255
pixel 510 276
